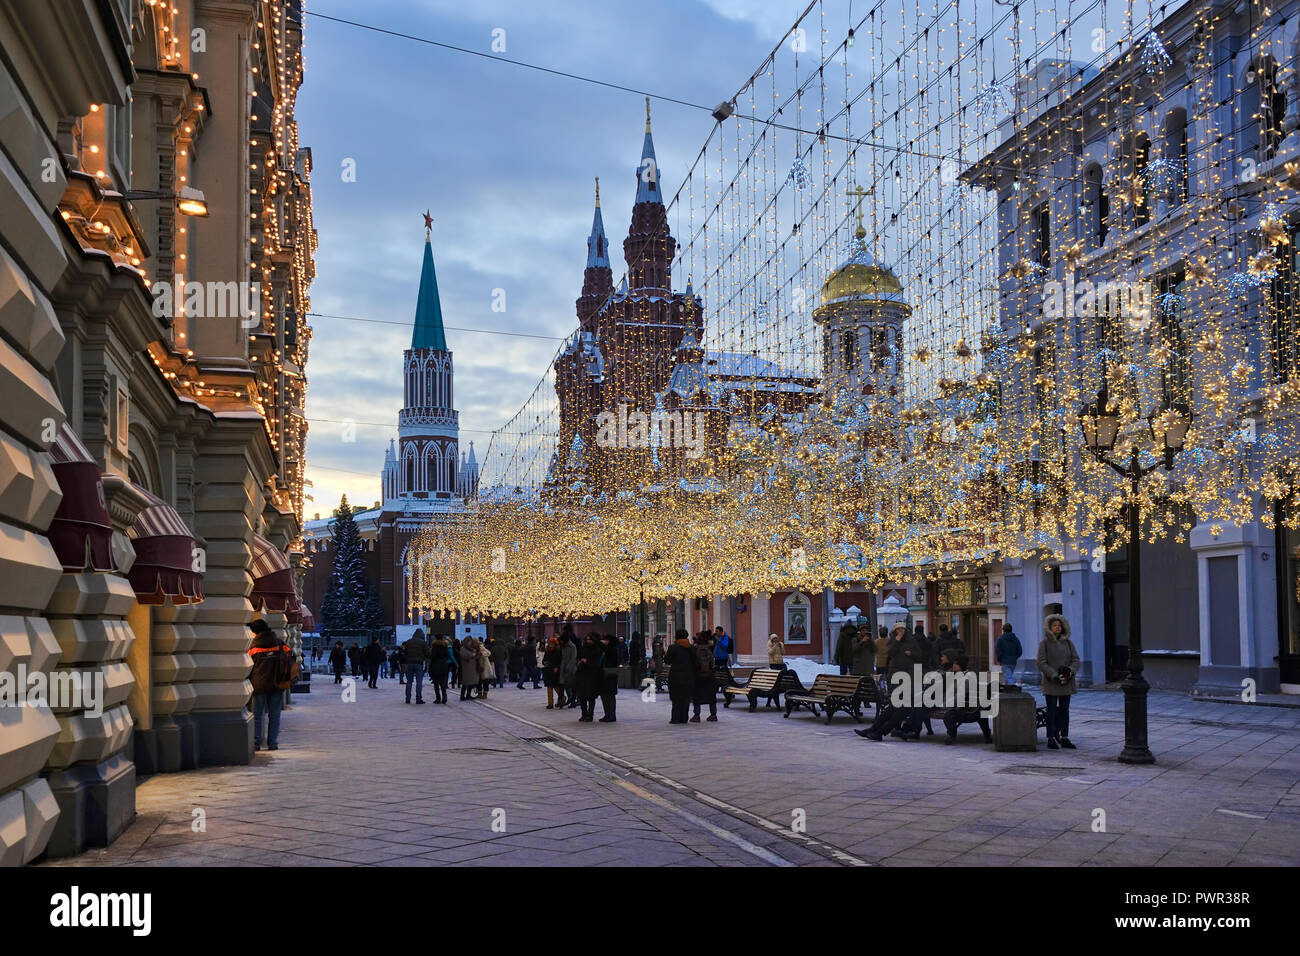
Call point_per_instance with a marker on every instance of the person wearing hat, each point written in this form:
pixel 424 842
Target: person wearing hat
pixel 775 653
pixel 268 689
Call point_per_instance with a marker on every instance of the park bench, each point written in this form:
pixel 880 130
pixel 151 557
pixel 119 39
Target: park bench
pixel 834 693
pixel 722 676
pixel 767 683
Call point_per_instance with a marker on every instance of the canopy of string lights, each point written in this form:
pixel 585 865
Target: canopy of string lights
pixel 941 265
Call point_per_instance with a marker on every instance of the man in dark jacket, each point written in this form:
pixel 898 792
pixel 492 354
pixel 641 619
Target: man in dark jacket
pixel 680 661
pixel 948 641
pixel 338 661
pixel 609 679
pixel 268 691
pixel 844 647
pixel 531 669
pixel 1007 652
pixel 864 655
pixel 417 657
pixel 500 654
pixel 374 657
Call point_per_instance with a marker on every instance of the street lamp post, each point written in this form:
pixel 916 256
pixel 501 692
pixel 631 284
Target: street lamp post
pixel 1100 425
pixel 189 201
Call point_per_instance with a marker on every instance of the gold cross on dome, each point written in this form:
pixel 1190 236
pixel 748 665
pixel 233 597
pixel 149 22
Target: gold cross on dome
pixel 861 194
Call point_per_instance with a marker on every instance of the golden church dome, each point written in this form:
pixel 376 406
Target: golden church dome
pixel 862 277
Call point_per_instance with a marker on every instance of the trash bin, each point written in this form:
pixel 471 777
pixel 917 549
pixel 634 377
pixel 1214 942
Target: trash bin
pixel 1015 727
pixel 626 677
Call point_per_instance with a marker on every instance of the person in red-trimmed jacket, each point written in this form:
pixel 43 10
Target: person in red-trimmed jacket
pixel 268 687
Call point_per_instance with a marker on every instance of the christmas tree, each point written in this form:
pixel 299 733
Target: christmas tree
pixel 374 609
pixel 344 605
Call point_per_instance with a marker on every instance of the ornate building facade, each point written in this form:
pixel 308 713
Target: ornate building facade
pixel 157 254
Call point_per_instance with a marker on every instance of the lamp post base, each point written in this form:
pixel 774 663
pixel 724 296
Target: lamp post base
pixel 1135 750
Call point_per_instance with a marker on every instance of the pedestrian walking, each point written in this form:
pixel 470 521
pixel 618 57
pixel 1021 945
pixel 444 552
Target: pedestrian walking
pixel 590 674
pixel 274 670
pixel 486 667
pixel 568 666
pixel 455 660
pixel 469 668
pixel 374 657
pixel 680 660
pixel 499 655
pixel 609 679
pixel 551 672
pixel 1007 652
pixel 539 651
pixel 1058 662
pixel 338 661
pixel 515 664
pixel 417 657
pixel 775 652
pixel 400 655
pixel 354 657
pixel 706 689
pixel 440 667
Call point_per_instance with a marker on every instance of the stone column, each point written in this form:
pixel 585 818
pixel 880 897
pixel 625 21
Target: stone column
pixel 760 622
pixel 226 506
pixel 90 771
pixel 170 742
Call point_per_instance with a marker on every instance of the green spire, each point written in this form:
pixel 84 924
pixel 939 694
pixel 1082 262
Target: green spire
pixel 428 332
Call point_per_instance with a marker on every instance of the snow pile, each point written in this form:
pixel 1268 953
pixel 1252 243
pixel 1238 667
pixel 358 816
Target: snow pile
pixel 809 669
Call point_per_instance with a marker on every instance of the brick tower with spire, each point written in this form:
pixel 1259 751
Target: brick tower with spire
pixel 624 351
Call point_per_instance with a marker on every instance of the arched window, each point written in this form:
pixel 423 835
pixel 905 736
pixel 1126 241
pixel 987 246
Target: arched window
pixel 409 455
pixel 432 467
pixel 798 619
pixel 1262 111
pixel 850 337
pixel 1140 161
pixel 1177 172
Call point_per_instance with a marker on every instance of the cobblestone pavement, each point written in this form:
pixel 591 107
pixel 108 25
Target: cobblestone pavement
pixel 380 782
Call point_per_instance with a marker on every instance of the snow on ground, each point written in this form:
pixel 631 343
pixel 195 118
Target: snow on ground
pixel 809 669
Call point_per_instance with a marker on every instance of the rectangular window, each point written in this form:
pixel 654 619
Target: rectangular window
pixel 1283 321
pixel 1170 308
pixel 1043 222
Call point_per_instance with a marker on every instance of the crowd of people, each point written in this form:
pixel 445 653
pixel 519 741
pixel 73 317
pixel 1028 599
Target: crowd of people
pixel 577 671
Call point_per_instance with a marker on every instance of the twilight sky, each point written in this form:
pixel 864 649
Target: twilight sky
pixel 503 158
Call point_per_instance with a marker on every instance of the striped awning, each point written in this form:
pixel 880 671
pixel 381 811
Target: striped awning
pixel 81 532
pixel 168 561
pixel 272 578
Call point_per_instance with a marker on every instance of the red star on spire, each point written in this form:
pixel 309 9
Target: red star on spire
pixel 428 221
